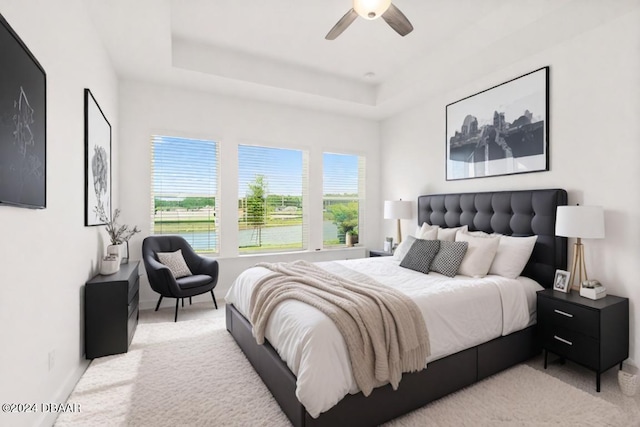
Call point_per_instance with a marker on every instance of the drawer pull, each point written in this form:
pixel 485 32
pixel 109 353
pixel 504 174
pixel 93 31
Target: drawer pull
pixel 562 340
pixel 563 313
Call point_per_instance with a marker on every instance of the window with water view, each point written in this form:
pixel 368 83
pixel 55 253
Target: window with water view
pixel 185 190
pixel 272 193
pixel 272 199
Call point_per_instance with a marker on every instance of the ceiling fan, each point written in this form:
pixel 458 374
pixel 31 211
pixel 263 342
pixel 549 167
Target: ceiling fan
pixel 373 9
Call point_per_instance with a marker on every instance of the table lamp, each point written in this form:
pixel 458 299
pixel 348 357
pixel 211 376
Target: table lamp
pixel 398 209
pixel 581 222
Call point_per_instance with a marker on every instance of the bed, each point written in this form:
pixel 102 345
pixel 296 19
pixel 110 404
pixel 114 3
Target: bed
pixel 517 213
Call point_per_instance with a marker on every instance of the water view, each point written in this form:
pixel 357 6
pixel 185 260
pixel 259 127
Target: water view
pixel 278 235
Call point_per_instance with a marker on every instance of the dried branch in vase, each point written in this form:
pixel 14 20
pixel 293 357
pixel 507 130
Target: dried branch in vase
pixel 117 233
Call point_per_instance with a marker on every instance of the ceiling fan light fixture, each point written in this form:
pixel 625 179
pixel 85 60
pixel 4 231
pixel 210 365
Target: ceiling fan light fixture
pixel 371 9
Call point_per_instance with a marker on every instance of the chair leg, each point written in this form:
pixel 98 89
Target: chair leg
pixel 183 302
pixel 158 304
pixel 189 300
pixel 214 299
pixel 176 317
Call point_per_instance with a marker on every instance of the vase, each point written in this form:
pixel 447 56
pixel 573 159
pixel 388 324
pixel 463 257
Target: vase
pixel 109 265
pixel 116 251
pixel 349 240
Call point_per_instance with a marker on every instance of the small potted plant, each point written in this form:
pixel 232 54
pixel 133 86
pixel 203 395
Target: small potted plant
pixel 351 237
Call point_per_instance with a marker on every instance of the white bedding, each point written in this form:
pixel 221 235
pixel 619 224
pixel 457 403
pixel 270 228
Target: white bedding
pixel 459 313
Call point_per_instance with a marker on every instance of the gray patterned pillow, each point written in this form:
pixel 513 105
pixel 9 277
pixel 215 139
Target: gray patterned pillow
pixel 420 255
pixel 176 263
pixel 448 259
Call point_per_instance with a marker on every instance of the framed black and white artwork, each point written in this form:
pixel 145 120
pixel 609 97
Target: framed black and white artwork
pixel 503 130
pixel 23 123
pixel 97 166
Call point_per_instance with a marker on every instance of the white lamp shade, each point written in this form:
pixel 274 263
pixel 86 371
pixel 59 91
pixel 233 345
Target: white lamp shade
pixel 371 9
pixel 586 222
pixel 398 209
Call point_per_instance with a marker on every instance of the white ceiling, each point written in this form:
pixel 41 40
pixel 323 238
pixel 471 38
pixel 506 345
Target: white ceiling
pixel 275 50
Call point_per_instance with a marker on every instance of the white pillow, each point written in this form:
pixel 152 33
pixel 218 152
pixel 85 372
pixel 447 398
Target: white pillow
pixel 479 256
pixel 512 255
pixel 449 234
pixel 403 248
pixel 429 234
pixel 424 228
pixel 176 263
pixel 481 234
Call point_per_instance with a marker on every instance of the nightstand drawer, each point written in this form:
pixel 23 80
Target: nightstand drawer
pixel 552 313
pixel 572 345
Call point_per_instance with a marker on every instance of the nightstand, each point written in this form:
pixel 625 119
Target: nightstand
pixel 594 334
pixel 379 253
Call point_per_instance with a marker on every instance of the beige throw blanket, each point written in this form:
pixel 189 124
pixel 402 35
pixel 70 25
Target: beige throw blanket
pixel 383 329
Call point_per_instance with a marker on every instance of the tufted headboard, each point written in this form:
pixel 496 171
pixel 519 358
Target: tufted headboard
pixel 516 213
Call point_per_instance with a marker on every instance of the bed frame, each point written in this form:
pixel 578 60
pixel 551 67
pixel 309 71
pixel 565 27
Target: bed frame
pixel 517 213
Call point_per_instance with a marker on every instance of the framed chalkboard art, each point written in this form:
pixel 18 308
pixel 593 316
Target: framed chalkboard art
pixel 23 123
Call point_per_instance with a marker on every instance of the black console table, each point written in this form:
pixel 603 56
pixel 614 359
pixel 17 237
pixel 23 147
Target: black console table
pixel 111 311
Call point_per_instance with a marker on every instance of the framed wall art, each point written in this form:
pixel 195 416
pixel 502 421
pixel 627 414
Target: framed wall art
pixel 503 130
pixel 23 123
pixel 97 165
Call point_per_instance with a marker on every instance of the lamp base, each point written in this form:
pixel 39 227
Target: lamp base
pixel 578 264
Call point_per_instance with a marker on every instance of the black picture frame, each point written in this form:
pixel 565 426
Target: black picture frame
pixel 503 130
pixel 97 162
pixel 23 123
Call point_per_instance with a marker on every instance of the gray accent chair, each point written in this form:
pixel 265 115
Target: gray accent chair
pixel 204 269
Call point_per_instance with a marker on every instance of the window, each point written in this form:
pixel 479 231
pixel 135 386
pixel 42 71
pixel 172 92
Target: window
pixel 271 199
pixel 343 197
pixel 184 174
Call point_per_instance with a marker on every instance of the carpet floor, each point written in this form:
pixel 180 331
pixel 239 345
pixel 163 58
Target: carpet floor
pixel 192 373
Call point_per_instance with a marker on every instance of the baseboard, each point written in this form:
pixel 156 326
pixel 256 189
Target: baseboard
pixel 63 393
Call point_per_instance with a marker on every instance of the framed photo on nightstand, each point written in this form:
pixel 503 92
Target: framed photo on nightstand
pixel 561 282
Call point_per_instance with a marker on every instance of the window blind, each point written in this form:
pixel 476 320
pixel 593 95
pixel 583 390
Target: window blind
pixel 184 196
pixel 343 192
pixel 272 199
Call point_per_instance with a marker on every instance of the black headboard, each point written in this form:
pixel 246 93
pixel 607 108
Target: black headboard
pixel 516 213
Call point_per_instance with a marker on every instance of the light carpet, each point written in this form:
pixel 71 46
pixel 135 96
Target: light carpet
pixel 193 373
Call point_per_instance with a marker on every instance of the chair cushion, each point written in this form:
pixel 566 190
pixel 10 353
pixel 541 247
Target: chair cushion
pixel 195 281
pixel 176 263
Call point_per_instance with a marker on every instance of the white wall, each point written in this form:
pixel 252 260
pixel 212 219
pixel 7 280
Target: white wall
pixel 147 109
pixel 594 135
pixel 47 255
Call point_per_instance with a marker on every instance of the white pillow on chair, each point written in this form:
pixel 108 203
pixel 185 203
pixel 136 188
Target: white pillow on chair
pixel 176 263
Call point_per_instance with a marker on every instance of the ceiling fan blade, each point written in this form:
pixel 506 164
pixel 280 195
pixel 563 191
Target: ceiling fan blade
pixel 396 20
pixel 342 25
